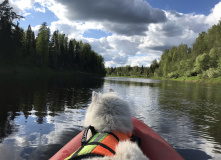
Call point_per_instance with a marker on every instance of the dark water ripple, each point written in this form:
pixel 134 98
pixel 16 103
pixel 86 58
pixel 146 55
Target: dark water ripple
pixel 38 117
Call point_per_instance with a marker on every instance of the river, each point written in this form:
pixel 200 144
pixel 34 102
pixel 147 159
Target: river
pixel 39 115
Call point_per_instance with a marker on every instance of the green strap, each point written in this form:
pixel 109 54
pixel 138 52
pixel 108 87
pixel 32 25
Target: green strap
pixel 88 147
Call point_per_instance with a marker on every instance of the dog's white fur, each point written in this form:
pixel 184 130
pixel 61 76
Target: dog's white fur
pixel 108 112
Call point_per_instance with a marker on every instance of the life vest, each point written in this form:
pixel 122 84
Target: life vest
pixel 100 144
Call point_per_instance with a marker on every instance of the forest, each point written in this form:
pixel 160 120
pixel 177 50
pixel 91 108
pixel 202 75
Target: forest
pixel 23 48
pixel 202 59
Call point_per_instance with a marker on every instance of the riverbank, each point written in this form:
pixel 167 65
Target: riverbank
pixel 194 79
pixel 25 72
pixel 133 76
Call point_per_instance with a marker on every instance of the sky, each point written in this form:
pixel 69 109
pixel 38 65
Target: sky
pixel 124 32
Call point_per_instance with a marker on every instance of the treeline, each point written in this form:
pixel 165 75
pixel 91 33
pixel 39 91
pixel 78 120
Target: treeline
pixel 203 59
pixel 56 51
pixel 126 71
pixel 133 71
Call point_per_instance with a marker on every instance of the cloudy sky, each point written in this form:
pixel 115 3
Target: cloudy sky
pixel 124 32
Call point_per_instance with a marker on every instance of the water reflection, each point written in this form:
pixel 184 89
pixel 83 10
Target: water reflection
pixel 30 109
pixel 187 115
pixel 198 114
pixel 40 115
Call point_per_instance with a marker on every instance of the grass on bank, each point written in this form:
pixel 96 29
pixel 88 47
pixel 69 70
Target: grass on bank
pixel 25 72
pixel 196 79
pixel 193 79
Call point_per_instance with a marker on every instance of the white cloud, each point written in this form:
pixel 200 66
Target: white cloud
pixel 101 45
pixel 75 29
pixel 110 64
pixel 67 28
pixel 36 29
pixel 140 60
pixel 26 14
pixel 39 9
pixel 136 27
pixel 58 9
pixel 215 15
pixel 180 28
pixel 23 4
pixel 129 39
pixel 126 45
pixel 6 152
pixel 134 15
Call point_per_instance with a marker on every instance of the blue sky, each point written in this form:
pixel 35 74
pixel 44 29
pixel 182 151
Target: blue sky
pixel 94 33
pixel 36 18
pixel 125 32
pixel 185 6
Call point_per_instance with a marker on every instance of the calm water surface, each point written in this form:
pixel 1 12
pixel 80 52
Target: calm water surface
pixel 39 116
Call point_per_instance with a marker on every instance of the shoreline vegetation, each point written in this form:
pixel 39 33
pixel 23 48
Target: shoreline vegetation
pixel 24 53
pixel 193 79
pixel 36 72
pixel 25 72
pixel 42 73
pixel 199 63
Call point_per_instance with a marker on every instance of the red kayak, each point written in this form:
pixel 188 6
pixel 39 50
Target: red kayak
pixel 153 146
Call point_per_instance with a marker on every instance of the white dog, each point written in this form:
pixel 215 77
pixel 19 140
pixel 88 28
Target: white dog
pixel 109 113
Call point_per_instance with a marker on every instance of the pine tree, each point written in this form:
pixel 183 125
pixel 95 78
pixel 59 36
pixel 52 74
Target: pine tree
pixel 42 45
pixel 70 60
pixel 7 27
pixel 18 44
pixel 54 50
pixel 28 42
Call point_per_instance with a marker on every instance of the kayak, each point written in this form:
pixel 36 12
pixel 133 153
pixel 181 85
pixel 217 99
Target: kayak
pixel 152 144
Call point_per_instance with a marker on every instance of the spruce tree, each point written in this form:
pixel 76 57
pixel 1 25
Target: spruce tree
pixel 42 45
pixel 7 28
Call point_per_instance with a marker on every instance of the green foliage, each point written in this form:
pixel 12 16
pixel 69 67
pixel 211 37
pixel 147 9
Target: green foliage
pixel 203 59
pixel 212 73
pixel 19 47
pixel 200 46
pixel 7 15
pixel 42 45
pixel 189 73
pixel 18 44
pixel 214 55
pixel 128 71
pixel 173 75
pixel 154 65
pixel 213 37
pixel 54 50
pixel 202 62
pixel 9 33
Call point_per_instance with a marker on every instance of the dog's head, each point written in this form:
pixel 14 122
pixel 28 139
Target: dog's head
pixel 108 112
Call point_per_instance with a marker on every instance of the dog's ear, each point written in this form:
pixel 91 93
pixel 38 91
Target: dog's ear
pixel 95 96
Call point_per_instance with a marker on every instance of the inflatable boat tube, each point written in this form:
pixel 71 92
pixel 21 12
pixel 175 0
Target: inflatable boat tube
pixel 153 145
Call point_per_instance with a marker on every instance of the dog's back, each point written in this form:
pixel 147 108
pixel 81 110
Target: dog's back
pixel 109 113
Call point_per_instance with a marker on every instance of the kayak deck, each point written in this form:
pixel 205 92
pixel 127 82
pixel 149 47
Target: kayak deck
pixel 152 145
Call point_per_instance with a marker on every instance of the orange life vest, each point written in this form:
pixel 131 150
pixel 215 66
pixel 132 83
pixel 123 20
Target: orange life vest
pixel 100 144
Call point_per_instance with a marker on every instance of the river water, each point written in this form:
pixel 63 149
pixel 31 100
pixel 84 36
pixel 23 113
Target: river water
pixel 39 115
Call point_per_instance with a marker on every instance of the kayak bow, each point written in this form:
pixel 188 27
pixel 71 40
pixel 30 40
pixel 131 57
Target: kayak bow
pixel 152 144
